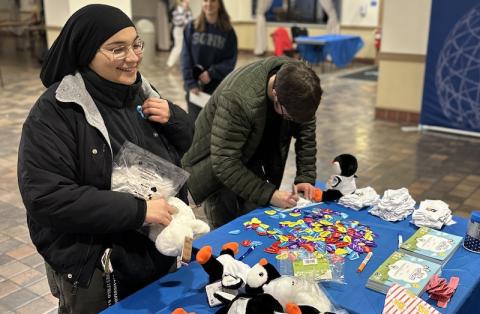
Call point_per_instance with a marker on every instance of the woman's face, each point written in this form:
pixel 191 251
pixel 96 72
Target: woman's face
pixel 118 58
pixel 210 7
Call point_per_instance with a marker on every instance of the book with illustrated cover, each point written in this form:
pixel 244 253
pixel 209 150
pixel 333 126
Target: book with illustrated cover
pixel 433 245
pixel 411 272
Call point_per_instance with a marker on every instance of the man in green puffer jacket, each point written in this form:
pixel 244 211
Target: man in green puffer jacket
pixel 243 135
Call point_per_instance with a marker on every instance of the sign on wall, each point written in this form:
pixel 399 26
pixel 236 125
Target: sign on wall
pixel 451 96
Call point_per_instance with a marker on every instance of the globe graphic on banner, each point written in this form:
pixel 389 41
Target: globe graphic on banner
pixel 457 77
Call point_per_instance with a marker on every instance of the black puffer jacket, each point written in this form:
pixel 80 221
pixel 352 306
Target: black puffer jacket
pixel 64 172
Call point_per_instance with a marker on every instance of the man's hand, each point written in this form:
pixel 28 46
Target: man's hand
pixel 205 78
pixel 307 189
pixel 157 110
pixel 283 199
pixel 159 212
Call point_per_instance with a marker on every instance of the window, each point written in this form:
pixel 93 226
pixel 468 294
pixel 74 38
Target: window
pixel 297 11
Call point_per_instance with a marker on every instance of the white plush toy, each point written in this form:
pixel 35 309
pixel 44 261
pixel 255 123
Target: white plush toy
pixel 306 294
pixel 169 240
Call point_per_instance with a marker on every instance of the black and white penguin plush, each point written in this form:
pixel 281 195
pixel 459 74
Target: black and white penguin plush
pixel 343 178
pixel 342 181
pixel 225 267
pixel 262 303
pixel 259 275
pixel 305 294
pixel 295 295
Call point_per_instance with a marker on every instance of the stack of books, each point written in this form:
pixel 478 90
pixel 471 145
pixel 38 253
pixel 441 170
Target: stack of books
pixel 419 258
pixel 432 245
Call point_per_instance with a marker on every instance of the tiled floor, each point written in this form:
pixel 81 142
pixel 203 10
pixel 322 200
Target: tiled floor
pixel 432 166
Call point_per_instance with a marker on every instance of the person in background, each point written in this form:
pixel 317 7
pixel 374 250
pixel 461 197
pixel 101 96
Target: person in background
pixel 242 138
pixel 209 51
pixel 96 99
pixel 181 16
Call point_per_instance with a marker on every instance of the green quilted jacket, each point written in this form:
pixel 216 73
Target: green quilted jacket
pixel 230 128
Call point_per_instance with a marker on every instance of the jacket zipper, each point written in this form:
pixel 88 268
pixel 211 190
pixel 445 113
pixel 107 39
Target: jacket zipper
pixel 76 282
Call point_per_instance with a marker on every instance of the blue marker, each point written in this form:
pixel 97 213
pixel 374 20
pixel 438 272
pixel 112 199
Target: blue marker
pixel 250 250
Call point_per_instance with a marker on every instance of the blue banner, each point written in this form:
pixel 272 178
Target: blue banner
pixel 451 95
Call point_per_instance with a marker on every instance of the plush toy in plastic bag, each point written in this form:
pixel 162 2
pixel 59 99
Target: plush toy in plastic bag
pixel 287 290
pixel 145 175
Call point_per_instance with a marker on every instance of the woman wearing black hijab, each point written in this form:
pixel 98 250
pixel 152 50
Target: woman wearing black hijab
pixel 69 141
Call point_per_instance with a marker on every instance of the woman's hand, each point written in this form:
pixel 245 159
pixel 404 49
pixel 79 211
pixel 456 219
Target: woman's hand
pixel 205 78
pixel 159 212
pixel 195 91
pixel 307 189
pixel 283 199
pixel 157 110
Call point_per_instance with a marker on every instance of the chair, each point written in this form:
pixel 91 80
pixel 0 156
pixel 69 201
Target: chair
pixel 298 31
pixel 283 44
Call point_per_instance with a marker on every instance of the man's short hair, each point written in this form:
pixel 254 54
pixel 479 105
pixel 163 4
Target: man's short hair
pixel 298 90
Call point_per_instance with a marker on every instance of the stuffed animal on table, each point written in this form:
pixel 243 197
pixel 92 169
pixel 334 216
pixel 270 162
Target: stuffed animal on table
pixel 296 295
pixel 342 181
pixel 225 267
pixel 259 304
pixel 169 239
pixel 259 275
pixel 262 303
pixel 305 294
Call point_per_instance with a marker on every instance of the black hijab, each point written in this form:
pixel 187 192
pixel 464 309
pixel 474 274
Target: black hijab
pixel 85 31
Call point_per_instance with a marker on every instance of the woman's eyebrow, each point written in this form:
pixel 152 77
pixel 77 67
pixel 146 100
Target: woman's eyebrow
pixel 121 42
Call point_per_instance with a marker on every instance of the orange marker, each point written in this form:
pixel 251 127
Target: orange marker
pixel 364 263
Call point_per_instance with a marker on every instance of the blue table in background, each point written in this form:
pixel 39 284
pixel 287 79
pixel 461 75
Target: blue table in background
pixel 185 288
pixel 341 48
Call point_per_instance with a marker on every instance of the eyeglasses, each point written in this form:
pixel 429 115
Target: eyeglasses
pixel 283 111
pixel 121 52
pixel 285 114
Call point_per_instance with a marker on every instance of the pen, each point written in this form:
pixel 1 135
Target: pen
pixel 364 263
pixel 250 250
pixel 400 240
pixel 294 190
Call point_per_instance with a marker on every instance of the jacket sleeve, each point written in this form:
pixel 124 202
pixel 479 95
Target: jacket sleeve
pixel 230 131
pixel 49 182
pixel 306 152
pixel 186 58
pixel 178 129
pixel 221 69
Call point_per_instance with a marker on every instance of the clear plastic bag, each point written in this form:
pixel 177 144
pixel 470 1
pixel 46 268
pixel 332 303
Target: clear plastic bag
pixel 144 174
pixel 301 291
pixel 320 267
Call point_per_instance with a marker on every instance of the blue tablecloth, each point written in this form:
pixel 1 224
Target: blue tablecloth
pixel 341 48
pixel 185 288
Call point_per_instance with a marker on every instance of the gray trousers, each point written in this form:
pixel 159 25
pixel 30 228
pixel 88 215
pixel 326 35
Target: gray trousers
pixel 224 206
pixel 86 300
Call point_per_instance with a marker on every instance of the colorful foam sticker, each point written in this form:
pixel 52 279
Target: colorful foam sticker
pixel 440 290
pixel 279 216
pixel 256 243
pixel 317 230
pixel 246 243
